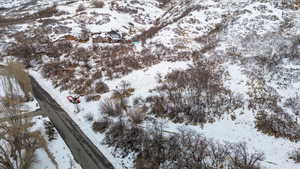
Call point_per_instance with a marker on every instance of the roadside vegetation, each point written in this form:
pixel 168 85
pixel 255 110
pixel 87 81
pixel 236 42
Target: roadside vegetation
pixel 18 143
pixel 83 63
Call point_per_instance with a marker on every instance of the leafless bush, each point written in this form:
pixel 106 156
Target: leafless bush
pixel 241 158
pixel 82 54
pixel 97 75
pixel 89 117
pixel 80 8
pixel 294 104
pixel 110 108
pixel 125 138
pixel 23 49
pixel 137 116
pixel 278 125
pixel 18 142
pixel 295 156
pixel 263 97
pixel 101 87
pixel 101 125
pixel 98 3
pixel 93 98
pixel 17 70
pixel 185 149
pixel 196 95
pixel 48 12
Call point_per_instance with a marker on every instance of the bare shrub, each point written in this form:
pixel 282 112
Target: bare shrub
pixel 82 54
pixel 137 116
pixel 101 87
pixel 110 108
pixel 98 3
pixel 278 125
pixel 295 156
pixel 18 142
pixel 93 98
pixel 48 12
pixel 17 70
pixel 89 117
pixel 101 125
pixel 263 97
pixel 185 149
pixel 97 75
pixel 241 158
pixel 125 138
pixel 294 104
pixel 121 95
pixel 23 49
pixel 80 8
pixel 196 95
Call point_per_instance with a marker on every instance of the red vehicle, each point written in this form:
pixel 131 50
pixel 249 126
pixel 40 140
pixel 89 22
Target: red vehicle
pixel 74 100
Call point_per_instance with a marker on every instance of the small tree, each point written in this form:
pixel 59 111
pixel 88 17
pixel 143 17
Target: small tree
pixel 16 70
pixel 17 143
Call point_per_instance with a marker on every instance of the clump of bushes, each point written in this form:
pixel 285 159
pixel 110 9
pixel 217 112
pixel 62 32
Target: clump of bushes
pixel 271 118
pixel 101 125
pixel 293 103
pixel 93 98
pixel 295 156
pixel 101 87
pixel 125 138
pixel 278 125
pixel 80 8
pixel 89 117
pixel 110 108
pixel 98 3
pixel 185 149
pixel 138 115
pixel 48 12
pixel 195 95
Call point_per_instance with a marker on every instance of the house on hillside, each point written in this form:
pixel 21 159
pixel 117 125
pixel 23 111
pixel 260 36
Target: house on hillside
pixel 114 36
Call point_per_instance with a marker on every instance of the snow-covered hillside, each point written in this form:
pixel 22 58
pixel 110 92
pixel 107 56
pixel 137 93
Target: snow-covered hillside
pixel 68 48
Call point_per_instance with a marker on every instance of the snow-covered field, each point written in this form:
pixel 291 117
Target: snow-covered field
pixel 142 80
pixel 276 150
pixel 240 30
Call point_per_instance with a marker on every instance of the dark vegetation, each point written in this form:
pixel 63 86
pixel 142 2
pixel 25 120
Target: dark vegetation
pixel 295 156
pixel 156 148
pixel 101 125
pixel 19 142
pixel 185 149
pixel 196 95
pixel 271 118
pixel 98 3
pixel 44 13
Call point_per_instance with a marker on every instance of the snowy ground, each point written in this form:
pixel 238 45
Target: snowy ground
pixel 142 80
pixel 57 147
pixel 241 130
pixel 250 28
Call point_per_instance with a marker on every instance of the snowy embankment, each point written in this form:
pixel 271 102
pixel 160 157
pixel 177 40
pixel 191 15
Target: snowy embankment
pixel 57 147
pixel 226 130
pixel 141 80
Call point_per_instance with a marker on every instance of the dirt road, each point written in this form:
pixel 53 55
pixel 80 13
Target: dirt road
pixel 83 150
